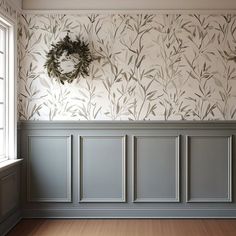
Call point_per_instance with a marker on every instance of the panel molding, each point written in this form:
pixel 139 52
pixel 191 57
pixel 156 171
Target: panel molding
pixel 230 151
pixel 108 208
pixel 69 176
pixel 3 179
pixel 81 199
pixel 177 169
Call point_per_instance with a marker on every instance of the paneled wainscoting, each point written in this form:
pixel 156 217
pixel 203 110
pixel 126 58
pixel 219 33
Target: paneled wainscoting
pixel 128 169
pixel 10 185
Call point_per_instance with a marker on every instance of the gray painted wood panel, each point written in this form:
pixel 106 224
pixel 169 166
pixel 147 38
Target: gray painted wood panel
pixel 9 189
pixel 209 166
pixel 210 148
pixel 156 169
pixel 102 169
pixel 10 176
pixel 49 168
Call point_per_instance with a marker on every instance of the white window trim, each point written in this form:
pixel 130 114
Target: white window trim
pixel 11 91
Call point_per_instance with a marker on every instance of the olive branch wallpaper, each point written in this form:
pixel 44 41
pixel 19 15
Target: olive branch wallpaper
pixel 145 67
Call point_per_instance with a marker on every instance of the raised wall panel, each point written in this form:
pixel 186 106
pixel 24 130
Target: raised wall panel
pixel 209 163
pixel 9 195
pixel 156 168
pixel 102 168
pixel 49 169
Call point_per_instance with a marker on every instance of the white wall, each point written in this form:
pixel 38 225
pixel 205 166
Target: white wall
pixel 129 4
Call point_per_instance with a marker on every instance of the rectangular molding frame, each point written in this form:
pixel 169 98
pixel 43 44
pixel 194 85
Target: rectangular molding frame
pixel 230 151
pixel 69 176
pixel 80 168
pixel 177 177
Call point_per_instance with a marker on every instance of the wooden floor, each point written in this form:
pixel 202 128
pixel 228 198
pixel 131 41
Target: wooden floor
pixel 48 227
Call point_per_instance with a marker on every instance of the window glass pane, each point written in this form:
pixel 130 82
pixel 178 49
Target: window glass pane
pixel 2 66
pixel 7 126
pixel 1 115
pixel 2 40
pixel 2 52
pixel 1 90
pixel 2 142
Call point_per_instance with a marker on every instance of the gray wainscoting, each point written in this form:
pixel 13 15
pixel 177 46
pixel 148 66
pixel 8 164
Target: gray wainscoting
pixel 128 169
pixel 102 169
pixel 209 168
pixel 49 168
pixel 156 169
pixel 10 213
pixel 9 193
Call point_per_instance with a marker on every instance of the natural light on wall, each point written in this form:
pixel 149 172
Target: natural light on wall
pixel 7 90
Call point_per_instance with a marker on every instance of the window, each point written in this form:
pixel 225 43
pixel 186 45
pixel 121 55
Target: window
pixel 3 39
pixel 7 91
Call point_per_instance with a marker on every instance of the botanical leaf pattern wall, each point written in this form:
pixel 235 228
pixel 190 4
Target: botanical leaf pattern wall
pixel 7 9
pixel 146 67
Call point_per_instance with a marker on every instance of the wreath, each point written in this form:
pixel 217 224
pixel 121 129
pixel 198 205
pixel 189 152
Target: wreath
pixel 68 48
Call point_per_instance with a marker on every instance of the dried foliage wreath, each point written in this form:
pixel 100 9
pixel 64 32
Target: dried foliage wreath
pixel 68 47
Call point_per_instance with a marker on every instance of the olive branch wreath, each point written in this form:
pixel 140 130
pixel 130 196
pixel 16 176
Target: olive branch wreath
pixel 69 47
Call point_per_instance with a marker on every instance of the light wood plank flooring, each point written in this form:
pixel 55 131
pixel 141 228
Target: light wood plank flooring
pixel 129 227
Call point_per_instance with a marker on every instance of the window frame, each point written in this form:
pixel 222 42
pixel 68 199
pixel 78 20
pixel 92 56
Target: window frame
pixel 4 29
pixel 10 91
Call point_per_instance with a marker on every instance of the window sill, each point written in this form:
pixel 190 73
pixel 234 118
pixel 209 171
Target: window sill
pixel 9 163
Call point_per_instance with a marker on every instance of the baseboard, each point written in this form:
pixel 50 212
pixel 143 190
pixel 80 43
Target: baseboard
pixel 129 213
pixel 10 222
